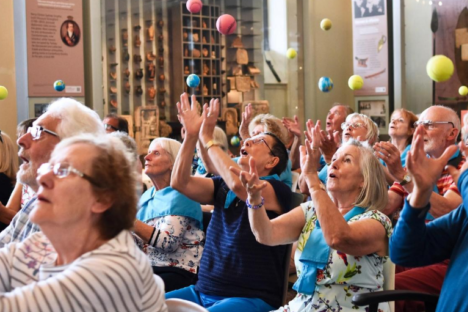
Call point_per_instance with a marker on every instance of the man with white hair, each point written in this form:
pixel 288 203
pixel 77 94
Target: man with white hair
pixel 441 129
pixel 64 118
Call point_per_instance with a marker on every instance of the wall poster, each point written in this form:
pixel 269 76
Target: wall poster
pixel 370 48
pixel 55 47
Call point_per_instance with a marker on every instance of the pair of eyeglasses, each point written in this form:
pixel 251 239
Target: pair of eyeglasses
pixel 108 127
pixel 355 125
pixel 429 124
pixel 62 171
pixel 258 141
pixel 397 120
pixel 36 132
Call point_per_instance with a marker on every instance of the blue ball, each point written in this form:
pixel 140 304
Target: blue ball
pixel 325 84
pixel 59 85
pixel 235 141
pixel 193 81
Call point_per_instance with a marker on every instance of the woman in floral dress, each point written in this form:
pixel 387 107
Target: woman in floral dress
pixel 342 235
pixel 169 226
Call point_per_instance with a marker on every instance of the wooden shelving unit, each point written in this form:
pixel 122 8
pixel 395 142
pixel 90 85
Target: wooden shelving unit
pixel 198 48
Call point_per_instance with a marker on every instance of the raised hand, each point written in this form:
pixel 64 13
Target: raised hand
pixel 293 126
pixel 454 172
pixel 330 143
pixel 310 153
pixel 252 184
pixel 188 115
pixel 424 171
pixel 210 117
pixel 390 154
pixel 246 119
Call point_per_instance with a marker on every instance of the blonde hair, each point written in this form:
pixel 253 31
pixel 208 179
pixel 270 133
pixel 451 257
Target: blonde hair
pixel 271 124
pixel 8 157
pixel 374 193
pixel 372 129
pixel 219 137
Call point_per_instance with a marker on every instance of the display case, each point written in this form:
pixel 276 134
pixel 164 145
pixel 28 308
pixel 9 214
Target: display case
pixel 197 48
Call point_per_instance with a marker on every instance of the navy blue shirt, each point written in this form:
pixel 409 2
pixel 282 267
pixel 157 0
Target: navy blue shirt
pixel 233 263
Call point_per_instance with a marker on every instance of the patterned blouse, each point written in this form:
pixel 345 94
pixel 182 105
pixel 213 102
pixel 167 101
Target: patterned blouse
pixel 344 276
pixel 178 242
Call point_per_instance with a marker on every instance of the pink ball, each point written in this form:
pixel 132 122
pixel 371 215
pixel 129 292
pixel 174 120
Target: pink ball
pixel 194 6
pixel 226 24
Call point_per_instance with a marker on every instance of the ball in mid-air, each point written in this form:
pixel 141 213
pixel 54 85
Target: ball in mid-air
pixel 194 6
pixel 325 24
pixel 439 68
pixel 193 81
pixel 3 93
pixel 463 90
pixel 59 85
pixel 355 82
pixel 291 53
pixel 235 141
pixel 226 24
pixel 325 84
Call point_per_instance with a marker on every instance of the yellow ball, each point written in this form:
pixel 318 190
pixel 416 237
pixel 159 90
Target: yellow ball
pixel 440 68
pixel 291 53
pixel 3 93
pixel 463 90
pixel 325 24
pixel 355 82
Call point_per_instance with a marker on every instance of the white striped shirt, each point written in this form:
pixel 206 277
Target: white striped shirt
pixel 114 277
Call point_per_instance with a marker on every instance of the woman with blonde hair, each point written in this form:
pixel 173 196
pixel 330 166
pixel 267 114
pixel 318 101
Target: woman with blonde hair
pixel 8 167
pixel 342 235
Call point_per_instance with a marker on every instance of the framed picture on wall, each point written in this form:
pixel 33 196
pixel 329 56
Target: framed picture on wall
pixel 376 109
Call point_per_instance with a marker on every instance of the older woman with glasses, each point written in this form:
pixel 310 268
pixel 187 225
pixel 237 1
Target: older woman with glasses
pixel 84 258
pixel 342 235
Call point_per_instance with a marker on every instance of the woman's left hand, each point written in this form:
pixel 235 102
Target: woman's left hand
pixel 390 154
pixel 310 153
pixel 252 184
pixel 210 117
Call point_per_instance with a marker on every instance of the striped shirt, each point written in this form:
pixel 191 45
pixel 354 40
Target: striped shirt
pixel 114 277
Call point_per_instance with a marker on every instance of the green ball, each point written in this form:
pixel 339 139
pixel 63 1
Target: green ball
pixel 440 68
pixel 3 93
pixel 463 90
pixel 355 82
pixel 291 53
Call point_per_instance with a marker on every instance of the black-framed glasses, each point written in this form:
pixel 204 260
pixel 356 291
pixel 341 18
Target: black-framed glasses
pixel 258 141
pixel 36 132
pixel 429 124
pixel 62 171
pixel 108 127
pixel 355 125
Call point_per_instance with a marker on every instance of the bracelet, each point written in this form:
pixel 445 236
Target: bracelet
pixel 210 144
pixel 249 205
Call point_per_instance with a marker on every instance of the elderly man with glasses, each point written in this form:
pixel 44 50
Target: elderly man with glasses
pixel 441 129
pixel 64 118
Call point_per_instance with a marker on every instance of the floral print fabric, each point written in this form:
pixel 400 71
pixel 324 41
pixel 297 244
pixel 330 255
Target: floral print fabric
pixel 180 243
pixel 344 276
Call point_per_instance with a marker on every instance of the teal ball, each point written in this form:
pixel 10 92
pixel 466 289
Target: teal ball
pixel 325 84
pixel 193 81
pixel 59 85
pixel 235 141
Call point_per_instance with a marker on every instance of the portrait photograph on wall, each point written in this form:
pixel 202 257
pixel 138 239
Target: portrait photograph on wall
pixel 70 33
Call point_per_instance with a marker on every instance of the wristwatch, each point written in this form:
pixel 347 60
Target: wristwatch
pixel 406 179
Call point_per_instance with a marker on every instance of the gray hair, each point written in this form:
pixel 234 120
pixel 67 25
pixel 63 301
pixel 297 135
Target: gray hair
pixel 372 129
pixel 219 137
pixel 129 143
pixel 374 193
pixel 75 118
pixel 120 184
pixel 271 124
pixel 171 146
pixel 450 115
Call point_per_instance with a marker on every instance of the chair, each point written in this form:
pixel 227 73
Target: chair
pixel 390 295
pixel 180 305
